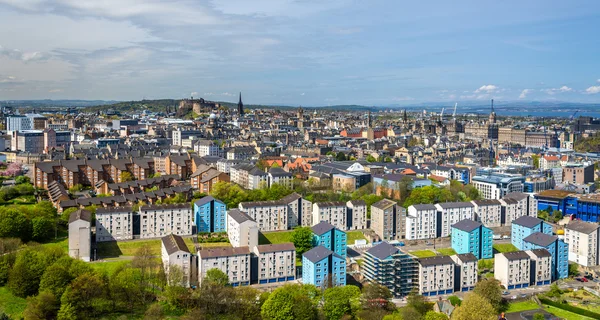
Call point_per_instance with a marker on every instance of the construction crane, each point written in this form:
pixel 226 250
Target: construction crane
pixel 442 114
pixel 454 113
pixel 573 115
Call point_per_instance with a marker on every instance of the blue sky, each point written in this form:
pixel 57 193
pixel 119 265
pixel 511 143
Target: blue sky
pixel 301 52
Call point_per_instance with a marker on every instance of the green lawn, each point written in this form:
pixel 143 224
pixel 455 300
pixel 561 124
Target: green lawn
pixel 62 243
pixel 522 306
pixel 11 305
pixel 423 253
pixel 108 267
pixel 354 235
pixel 505 247
pixel 446 251
pixel 565 314
pixel 129 248
pixel 275 237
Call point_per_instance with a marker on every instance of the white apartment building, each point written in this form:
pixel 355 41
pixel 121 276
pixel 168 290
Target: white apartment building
pixel 541 267
pixel 299 210
pixel 257 179
pixel 526 204
pixel 436 275
pixel 488 212
pixel 225 165
pixel 582 239
pixel 160 220
pixel 357 215
pixel 234 262
pixel 269 215
pixel 512 269
pixel 508 211
pixel 449 213
pixel 466 271
pixel 281 177
pixel 208 148
pixel 242 231
pixel 276 262
pixel 497 185
pixel 421 222
pixel 174 252
pixel 333 212
pixel 113 224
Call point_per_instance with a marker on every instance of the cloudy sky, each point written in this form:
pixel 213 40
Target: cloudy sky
pixel 301 52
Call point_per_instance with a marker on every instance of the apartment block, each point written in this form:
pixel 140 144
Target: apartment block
pixel 526 206
pixel 524 226
pixel 176 254
pixel 157 221
pixel 322 268
pixel 80 235
pixel 299 210
pixel 388 220
pixel 449 213
pixel 421 222
pixel 330 237
pixel 242 230
pixel 210 215
pixel 113 224
pixel 470 236
pixel 436 275
pixel 333 212
pixel 388 266
pixel 276 262
pixel 270 215
pixel 488 212
pixel 465 272
pixel 512 269
pixel 541 267
pixel 357 215
pixel 557 248
pixel 234 262
pixel 582 239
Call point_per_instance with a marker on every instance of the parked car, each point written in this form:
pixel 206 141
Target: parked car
pixel 505 293
pixel 505 237
pixel 513 297
pixel 596 280
pixel 579 279
pixel 584 279
pixel 523 295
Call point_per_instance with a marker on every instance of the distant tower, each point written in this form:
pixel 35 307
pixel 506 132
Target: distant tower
pixel 240 106
pixel 404 116
pixel 369 120
pixel 492 118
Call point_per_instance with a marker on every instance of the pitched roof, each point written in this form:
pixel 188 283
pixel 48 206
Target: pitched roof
pixel 540 253
pixel 467 225
pixel 204 200
pixel 483 203
pixel 435 261
pixel 322 227
pixel 216 252
pixel 582 226
pixel 516 255
pixel 467 257
pixel 288 246
pixel 174 243
pixel 330 204
pixel 383 250
pixel 449 205
pixel 239 216
pixel 424 206
pixel 383 204
pixel 516 195
pixel 319 253
pixel 80 214
pixel 527 221
pixel 540 239
pixel 118 209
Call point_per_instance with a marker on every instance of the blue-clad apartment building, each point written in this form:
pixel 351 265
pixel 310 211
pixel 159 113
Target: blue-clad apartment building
pixel 328 236
pixel 323 268
pixel 210 215
pixel 524 226
pixel 557 248
pixel 468 236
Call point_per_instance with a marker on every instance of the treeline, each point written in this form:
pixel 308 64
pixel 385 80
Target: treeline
pixel 28 222
pixel 454 192
pixel 589 144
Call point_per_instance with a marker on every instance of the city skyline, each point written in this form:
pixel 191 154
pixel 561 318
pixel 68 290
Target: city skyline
pixel 300 52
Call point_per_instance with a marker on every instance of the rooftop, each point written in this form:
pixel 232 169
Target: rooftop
pixel 174 243
pixel 527 221
pixel 466 225
pixel 540 239
pixel 516 255
pixel 435 261
pixel 582 226
pixel 383 250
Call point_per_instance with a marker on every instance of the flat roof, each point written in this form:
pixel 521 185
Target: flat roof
pixel 555 194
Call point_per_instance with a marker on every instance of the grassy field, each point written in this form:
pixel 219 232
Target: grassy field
pixel 11 305
pixel 355 235
pixel 522 306
pixel 446 251
pixel 565 314
pixel 504 247
pixel 275 237
pixel 423 253
pixel 109 267
pixel 129 248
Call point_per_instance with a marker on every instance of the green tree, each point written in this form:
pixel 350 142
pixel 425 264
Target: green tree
pixel 573 269
pixel 370 158
pixel 474 307
pixel 539 316
pixel 14 224
pixel 125 286
pixel 432 315
pixel 55 279
pixel 291 302
pixel 126 176
pixel 246 306
pixel 7 260
pixel 43 229
pixel 536 160
pixel 341 301
pixel 302 238
pixel 41 307
pixel 22 179
pixel 340 156
pixel 409 312
pixel 154 312
pixel 216 276
pixel 455 301
pixel 375 296
pixel 490 290
pixel 88 295
pixel 67 312
pixel 76 188
pixel 418 302
pixel 24 277
pixel 388 159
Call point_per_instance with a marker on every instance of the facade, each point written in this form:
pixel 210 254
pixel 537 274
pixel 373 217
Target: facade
pixel 577 173
pixel 421 222
pixel 582 239
pixel 160 220
pixel 388 220
pixel 80 235
pixel 357 215
pixel 208 148
pixel 234 262
pixel 323 268
pixel 113 224
pixel 557 248
pixel 269 215
pixel 436 275
pixel 470 236
pixel 524 226
pixel 387 265
pixel 333 212
pixel 526 205
pixel 210 215
pixel 488 212
pixel 242 231
pixel 465 272
pixel 496 185
pixel 175 253
pixel 330 237
pixel 299 210
pixel 449 213
pixel 541 267
pixel 276 262
pixel 31 141
pixel 279 176
pixel 512 269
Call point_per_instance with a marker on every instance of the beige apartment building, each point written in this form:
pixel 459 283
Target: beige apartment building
pixel 466 277
pixel 234 262
pixel 276 262
pixel 159 220
pixel 80 235
pixel 388 220
pixel 582 239
pixel 512 269
pixel 113 224
pixel 269 215
pixel 333 212
pixel 357 215
pixel 488 212
pixel 242 230
pixel 541 267
pixel 174 252
pixel 436 275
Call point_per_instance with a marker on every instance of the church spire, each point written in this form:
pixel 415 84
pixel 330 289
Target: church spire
pixel 240 106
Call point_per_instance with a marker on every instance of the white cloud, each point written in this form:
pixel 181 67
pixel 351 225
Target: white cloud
pixel 598 80
pixel 593 90
pixel 524 93
pixel 488 88
pixel 302 94
pixel 553 91
pixel 194 94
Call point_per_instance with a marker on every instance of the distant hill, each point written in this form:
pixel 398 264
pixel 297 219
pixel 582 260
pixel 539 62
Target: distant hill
pixel 53 103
